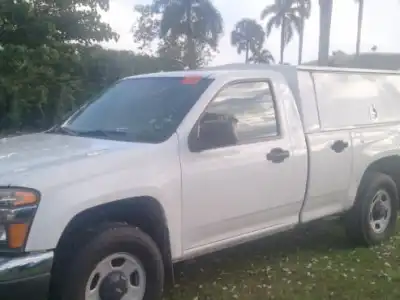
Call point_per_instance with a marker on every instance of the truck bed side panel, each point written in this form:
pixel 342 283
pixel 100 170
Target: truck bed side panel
pixel 362 110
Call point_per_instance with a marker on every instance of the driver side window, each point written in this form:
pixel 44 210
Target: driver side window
pixel 241 113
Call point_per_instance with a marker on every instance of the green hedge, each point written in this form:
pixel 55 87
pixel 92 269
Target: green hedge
pixel 38 86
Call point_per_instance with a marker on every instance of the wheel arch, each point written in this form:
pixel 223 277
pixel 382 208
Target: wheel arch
pixel 389 165
pixel 144 212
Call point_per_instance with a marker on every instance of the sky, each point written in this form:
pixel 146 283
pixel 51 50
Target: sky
pixel 379 27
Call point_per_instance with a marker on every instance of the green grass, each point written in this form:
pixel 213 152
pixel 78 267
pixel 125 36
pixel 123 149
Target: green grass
pixel 316 262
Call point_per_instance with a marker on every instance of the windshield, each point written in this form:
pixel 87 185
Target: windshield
pixel 138 109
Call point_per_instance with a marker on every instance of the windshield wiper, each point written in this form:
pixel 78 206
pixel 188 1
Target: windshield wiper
pixel 101 133
pixel 63 130
pixel 119 134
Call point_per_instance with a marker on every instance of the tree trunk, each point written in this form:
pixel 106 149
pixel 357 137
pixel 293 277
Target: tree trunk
pixel 325 18
pixel 301 42
pixel 190 44
pixel 359 25
pixel 301 35
pixel 247 52
pixel 282 41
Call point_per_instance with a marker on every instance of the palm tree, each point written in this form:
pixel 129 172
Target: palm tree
pixel 263 56
pixel 196 20
pixel 305 13
pixel 325 19
pixel 247 36
pixel 284 15
pixel 359 24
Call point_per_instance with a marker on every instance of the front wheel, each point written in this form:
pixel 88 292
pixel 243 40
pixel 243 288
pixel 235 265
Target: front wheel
pixel 119 263
pixel 373 217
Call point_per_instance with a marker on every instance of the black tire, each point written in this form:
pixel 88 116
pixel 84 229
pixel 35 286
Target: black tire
pixel 357 222
pixel 109 239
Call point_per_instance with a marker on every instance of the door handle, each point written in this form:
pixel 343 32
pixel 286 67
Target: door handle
pixel 278 155
pixel 339 146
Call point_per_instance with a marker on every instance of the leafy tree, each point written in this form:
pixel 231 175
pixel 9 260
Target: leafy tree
pixel 36 22
pixel 47 66
pixel 146 27
pixel 359 24
pixel 35 82
pixel 38 86
pixel 38 57
pixel 197 22
pixel 283 14
pixel 146 33
pixel 174 49
pixel 247 36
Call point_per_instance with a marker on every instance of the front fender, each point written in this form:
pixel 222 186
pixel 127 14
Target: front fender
pixel 59 207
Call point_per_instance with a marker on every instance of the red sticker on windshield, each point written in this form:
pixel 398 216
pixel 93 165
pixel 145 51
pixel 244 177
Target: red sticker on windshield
pixel 191 80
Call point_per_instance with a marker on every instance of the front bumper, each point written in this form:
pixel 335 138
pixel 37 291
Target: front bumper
pixel 25 277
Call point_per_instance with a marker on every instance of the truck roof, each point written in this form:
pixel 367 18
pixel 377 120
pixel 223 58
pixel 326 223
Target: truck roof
pixel 286 70
pixel 212 72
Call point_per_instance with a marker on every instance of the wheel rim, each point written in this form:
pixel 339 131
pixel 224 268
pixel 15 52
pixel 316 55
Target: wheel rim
pixel 380 211
pixel 119 276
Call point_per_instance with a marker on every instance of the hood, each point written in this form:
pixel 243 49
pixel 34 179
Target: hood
pixel 23 154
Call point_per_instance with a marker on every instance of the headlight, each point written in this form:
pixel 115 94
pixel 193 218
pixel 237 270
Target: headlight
pixel 17 209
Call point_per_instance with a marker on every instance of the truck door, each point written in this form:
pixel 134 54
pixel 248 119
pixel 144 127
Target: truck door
pixel 242 173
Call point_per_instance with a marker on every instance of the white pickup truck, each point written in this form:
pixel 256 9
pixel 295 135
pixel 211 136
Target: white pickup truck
pixel 164 167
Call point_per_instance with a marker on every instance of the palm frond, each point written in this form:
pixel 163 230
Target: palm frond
pixel 303 8
pixel 272 22
pixel 288 34
pixel 238 40
pixel 295 21
pixel 264 56
pixel 247 35
pixel 269 10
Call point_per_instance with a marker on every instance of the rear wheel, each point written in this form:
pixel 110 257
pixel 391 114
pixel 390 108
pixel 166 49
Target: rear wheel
pixel 119 263
pixel 374 214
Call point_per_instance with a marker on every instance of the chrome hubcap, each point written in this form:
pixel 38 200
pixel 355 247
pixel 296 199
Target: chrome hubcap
pixel 119 276
pixel 380 211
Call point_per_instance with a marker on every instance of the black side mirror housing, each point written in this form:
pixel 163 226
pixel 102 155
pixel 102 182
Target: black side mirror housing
pixel 213 131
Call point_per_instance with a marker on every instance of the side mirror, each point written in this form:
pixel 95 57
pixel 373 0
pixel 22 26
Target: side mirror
pixel 214 131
